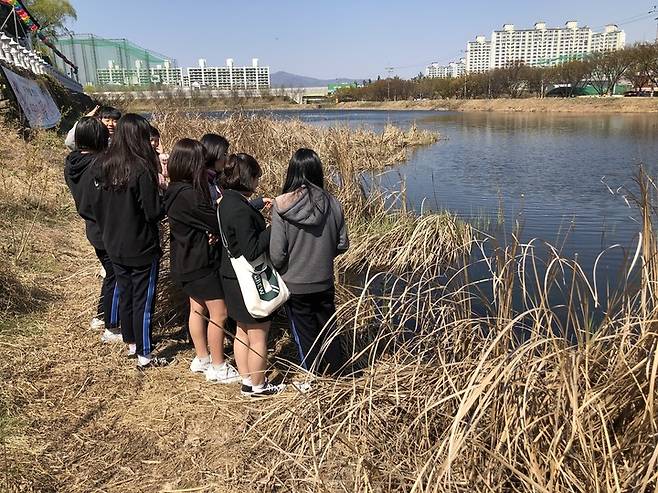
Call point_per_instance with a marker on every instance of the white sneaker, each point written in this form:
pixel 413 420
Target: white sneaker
pixel 96 324
pixel 109 337
pixel 224 374
pixel 267 389
pixel 198 366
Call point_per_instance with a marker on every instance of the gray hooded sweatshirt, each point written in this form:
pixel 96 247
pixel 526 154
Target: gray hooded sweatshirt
pixel 308 232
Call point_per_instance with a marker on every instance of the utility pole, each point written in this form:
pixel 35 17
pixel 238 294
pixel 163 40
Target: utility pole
pixel 654 10
pixel 389 70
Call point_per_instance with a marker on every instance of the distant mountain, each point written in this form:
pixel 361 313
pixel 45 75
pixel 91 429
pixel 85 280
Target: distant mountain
pixel 285 79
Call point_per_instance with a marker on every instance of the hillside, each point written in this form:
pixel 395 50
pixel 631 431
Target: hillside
pixel 286 79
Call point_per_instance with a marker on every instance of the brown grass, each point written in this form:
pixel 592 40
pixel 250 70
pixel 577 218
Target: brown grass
pixel 444 400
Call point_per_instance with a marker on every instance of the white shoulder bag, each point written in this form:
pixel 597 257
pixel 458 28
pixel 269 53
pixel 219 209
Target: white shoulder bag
pixel 262 287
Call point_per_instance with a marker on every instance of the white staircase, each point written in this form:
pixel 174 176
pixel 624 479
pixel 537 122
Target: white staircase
pixel 18 56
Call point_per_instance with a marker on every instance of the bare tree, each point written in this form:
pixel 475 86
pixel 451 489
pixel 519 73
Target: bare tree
pixel 644 69
pixel 575 74
pixel 538 80
pixel 608 69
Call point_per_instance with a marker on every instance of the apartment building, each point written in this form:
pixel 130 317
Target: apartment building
pixel 478 55
pixel 229 77
pixel 452 70
pixel 163 74
pixel 540 46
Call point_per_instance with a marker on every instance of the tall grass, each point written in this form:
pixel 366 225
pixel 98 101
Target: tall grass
pixel 545 397
pixel 503 401
pixel 382 232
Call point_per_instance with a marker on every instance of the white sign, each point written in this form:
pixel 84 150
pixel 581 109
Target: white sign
pixel 35 101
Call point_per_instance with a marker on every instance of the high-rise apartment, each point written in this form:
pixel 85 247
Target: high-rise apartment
pixel 540 46
pixel 452 70
pixel 163 74
pixel 478 55
pixel 229 77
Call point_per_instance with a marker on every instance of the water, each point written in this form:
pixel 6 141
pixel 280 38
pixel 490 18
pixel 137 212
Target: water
pixel 551 172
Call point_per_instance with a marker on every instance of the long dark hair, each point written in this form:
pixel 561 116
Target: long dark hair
pixel 129 153
pixel 91 135
pixel 304 167
pixel 187 164
pixel 240 173
pixel 216 150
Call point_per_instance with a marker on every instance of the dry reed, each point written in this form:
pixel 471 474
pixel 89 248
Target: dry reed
pixel 439 400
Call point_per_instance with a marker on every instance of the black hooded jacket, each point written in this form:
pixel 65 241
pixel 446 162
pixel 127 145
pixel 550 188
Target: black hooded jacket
pixel 78 180
pixel 128 217
pixel 191 218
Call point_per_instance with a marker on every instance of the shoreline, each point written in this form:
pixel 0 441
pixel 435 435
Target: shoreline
pixel 586 105
pixel 547 105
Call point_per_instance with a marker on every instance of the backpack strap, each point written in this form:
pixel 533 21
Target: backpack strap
pixel 221 233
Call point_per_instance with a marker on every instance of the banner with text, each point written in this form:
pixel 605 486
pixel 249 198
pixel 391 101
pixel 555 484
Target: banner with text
pixel 35 101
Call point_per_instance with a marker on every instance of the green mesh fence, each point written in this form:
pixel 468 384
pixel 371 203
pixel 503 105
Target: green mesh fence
pixel 91 53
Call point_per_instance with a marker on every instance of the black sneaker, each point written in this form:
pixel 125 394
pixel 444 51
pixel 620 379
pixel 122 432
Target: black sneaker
pixel 269 389
pixel 154 363
pixel 246 390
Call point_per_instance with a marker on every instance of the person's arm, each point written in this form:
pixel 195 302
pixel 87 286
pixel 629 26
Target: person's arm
pixel 89 193
pixel 149 198
pixel 252 243
pixel 343 238
pixel 278 242
pixel 198 214
pixel 257 203
pixel 69 142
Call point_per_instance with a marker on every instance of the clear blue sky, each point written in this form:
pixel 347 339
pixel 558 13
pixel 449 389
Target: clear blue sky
pixel 337 38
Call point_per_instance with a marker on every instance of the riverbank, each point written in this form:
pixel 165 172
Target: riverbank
pixel 585 105
pixel 440 398
pixel 534 105
pixel 75 415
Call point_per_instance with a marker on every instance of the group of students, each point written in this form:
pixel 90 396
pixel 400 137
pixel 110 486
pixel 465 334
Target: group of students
pixel 123 188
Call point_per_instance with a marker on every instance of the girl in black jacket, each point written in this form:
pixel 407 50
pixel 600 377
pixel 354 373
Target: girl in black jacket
pixel 194 260
pixel 246 235
pixel 91 139
pixel 127 208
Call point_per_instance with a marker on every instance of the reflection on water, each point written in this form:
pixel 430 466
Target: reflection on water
pixel 565 178
pixel 551 172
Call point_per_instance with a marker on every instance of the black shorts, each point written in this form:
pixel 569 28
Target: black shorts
pixel 206 288
pixel 235 304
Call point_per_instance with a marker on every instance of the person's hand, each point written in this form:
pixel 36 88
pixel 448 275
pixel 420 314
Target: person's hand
pixel 162 181
pixel 94 111
pixel 164 161
pixel 268 202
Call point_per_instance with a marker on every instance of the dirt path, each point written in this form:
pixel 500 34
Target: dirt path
pixel 88 420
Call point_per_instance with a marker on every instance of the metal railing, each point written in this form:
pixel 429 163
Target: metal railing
pixel 16 55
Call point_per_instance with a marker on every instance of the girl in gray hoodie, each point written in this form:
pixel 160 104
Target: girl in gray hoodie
pixel 308 232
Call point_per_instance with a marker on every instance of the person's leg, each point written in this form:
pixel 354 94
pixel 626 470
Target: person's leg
pixel 113 289
pixel 330 347
pixel 241 352
pixel 197 324
pixel 304 328
pixel 144 282
pixel 104 308
pixel 125 290
pixel 257 357
pixel 217 309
